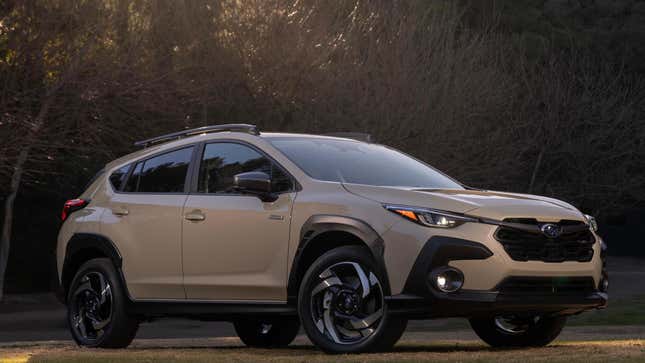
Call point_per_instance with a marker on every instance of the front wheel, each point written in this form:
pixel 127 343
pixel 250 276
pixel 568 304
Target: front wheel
pixel 341 304
pixel 267 333
pixel 514 331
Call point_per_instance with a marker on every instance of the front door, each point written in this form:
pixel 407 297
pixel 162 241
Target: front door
pixel 234 245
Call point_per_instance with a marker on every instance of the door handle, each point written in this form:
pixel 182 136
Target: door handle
pixel 195 216
pixel 120 211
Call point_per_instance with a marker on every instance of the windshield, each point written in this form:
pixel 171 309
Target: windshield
pixel 350 161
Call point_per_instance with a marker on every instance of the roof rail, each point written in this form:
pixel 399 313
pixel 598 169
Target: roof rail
pixel 359 136
pixel 249 129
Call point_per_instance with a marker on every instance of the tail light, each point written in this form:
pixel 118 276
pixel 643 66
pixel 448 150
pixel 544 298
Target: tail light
pixel 72 206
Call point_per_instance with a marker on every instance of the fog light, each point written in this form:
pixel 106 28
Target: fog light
pixel 447 279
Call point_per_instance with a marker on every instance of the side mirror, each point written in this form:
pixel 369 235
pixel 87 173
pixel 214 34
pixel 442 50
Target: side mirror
pixel 255 182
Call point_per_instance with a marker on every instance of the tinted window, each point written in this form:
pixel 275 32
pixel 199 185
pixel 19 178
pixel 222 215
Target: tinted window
pixel 351 161
pixel 116 178
pixel 222 161
pixel 133 180
pixel 165 173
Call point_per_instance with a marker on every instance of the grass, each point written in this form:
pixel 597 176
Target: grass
pixel 621 312
pixel 629 311
pixel 409 351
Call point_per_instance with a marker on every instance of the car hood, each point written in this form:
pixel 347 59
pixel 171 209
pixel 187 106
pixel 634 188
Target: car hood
pixel 479 203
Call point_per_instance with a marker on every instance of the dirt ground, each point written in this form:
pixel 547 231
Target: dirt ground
pixel 410 349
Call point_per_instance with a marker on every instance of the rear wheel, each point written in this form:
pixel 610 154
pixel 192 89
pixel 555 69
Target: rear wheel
pixel 514 331
pixel 341 304
pixel 267 333
pixel 96 307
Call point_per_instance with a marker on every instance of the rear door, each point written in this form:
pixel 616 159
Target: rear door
pixel 235 245
pixel 144 220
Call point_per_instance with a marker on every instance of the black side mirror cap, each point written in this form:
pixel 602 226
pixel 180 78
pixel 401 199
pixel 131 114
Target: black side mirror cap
pixel 255 182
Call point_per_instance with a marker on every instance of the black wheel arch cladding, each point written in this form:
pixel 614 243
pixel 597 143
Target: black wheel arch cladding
pixel 317 225
pixel 83 247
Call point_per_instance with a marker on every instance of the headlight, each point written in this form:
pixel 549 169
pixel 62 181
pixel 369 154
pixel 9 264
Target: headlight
pixel 430 217
pixel 593 225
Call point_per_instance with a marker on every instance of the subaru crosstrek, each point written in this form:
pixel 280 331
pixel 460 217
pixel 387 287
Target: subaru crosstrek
pixel 347 238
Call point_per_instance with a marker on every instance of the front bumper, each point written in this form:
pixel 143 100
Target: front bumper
pixel 419 299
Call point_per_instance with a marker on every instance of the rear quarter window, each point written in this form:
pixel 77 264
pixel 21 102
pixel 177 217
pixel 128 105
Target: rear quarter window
pixel 133 180
pixel 118 177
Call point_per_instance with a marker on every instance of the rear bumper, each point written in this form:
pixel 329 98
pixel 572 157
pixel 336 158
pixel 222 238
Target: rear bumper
pixel 470 304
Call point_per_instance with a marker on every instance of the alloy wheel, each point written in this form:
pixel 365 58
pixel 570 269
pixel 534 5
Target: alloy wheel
pixel 91 306
pixel 347 303
pixel 514 325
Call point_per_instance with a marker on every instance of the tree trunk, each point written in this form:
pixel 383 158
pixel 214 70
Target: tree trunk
pixel 16 178
pixel 538 163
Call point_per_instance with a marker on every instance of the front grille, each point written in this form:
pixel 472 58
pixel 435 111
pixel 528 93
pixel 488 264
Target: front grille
pixel 523 240
pixel 546 286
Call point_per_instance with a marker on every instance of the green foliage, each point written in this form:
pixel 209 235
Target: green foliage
pixel 613 29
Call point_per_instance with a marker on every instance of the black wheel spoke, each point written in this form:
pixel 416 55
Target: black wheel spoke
pixel 83 288
pixel 104 289
pixel 92 306
pixel 513 325
pixel 358 323
pixel 80 323
pixel 325 284
pixel 347 303
pixel 365 285
pixel 99 324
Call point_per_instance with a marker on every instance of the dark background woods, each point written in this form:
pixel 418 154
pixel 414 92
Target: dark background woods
pixel 544 97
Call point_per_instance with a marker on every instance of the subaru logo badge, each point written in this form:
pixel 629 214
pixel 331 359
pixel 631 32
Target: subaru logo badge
pixel 551 230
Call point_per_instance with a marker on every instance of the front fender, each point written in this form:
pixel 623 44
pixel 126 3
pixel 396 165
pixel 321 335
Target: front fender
pixel 319 224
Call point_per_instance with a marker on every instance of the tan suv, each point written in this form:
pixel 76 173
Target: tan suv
pixel 347 238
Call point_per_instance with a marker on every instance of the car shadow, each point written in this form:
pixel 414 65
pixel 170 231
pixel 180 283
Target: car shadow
pixel 300 349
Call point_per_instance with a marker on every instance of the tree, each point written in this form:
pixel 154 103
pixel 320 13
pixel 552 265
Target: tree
pixel 50 51
pixel 458 84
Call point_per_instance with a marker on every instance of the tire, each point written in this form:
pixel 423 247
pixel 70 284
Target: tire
pixel 96 307
pixel 267 333
pixel 347 312
pixel 532 332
